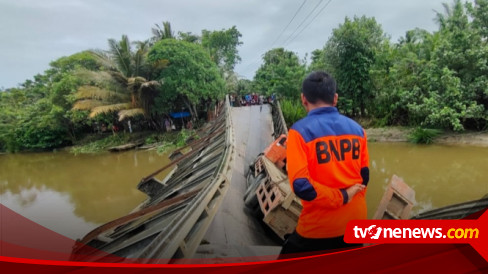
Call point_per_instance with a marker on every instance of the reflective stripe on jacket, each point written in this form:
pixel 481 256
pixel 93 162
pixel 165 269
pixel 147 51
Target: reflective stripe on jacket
pixel 327 153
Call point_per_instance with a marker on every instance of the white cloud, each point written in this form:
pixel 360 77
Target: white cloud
pixel 35 33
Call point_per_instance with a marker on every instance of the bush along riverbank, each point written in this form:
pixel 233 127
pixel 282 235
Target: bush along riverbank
pixel 147 140
pixel 294 111
pixel 427 136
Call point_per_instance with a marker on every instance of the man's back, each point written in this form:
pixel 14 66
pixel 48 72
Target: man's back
pixel 327 160
pixel 327 153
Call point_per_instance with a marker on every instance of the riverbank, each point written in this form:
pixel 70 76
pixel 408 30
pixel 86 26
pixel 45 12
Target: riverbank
pixel 400 134
pixel 99 143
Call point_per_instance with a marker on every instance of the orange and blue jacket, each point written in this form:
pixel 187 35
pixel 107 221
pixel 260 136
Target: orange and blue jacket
pixel 327 153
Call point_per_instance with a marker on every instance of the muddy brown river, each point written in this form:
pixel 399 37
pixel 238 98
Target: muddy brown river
pixel 73 194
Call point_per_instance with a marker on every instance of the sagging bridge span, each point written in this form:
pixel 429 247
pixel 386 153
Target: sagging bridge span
pixel 196 211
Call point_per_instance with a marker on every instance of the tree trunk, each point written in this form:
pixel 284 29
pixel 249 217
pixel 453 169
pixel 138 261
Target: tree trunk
pixel 194 117
pixel 363 112
pixel 133 100
pixel 190 106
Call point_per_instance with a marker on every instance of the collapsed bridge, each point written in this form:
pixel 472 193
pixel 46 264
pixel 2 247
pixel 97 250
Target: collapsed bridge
pixel 197 210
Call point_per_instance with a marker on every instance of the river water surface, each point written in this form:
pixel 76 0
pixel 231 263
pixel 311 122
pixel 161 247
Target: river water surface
pixel 441 175
pixel 73 194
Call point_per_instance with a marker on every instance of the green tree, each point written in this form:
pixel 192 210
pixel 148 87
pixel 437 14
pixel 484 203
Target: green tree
pixel 189 37
pixel 190 78
pixel 231 82
pixel 461 55
pixel 244 86
pixel 396 78
pixel 282 73
pixel 162 32
pixel 13 103
pixel 348 55
pixel 222 47
pixel 436 80
pixel 317 61
pixel 124 85
pixel 479 12
pixel 37 115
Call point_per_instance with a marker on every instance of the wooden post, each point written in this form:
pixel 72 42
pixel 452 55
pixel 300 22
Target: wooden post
pixel 397 202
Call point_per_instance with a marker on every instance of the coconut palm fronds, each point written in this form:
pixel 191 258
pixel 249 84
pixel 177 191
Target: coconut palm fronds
pixel 128 113
pixel 108 108
pixel 87 104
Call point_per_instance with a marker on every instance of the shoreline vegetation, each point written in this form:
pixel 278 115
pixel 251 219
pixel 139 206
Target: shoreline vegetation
pixel 98 143
pixel 162 142
pixel 433 83
pixel 401 134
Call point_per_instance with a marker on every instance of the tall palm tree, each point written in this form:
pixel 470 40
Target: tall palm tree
pixel 123 86
pixel 163 32
pixel 454 16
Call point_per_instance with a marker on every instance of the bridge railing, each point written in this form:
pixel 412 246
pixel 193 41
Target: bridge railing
pixel 171 223
pixel 279 124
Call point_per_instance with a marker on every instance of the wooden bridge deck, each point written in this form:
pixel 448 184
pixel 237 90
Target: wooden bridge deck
pixel 199 205
pixel 233 231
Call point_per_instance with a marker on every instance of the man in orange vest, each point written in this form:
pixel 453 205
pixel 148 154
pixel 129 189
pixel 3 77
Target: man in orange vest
pixel 327 161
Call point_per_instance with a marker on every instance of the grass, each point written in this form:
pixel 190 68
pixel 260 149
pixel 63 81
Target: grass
pixel 101 144
pixel 292 111
pixel 164 141
pixel 177 140
pixel 423 135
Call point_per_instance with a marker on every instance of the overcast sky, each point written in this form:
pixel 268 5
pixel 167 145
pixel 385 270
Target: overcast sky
pixel 34 33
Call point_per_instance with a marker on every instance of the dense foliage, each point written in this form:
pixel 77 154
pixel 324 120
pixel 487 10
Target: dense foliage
pixel 349 55
pixel 281 73
pixel 427 79
pixel 38 114
pixel 435 80
pixel 191 77
pixel 103 91
pixel 222 47
pixel 292 111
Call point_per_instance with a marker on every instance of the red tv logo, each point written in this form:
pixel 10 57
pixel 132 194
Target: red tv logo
pixel 373 232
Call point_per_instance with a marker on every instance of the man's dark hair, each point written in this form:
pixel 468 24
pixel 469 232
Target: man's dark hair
pixel 319 86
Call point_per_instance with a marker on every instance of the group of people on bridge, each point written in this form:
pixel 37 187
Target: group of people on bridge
pixel 250 99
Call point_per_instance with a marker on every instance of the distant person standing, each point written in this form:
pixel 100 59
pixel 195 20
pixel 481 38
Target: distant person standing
pixel 130 126
pixel 167 125
pixel 248 99
pixel 327 160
